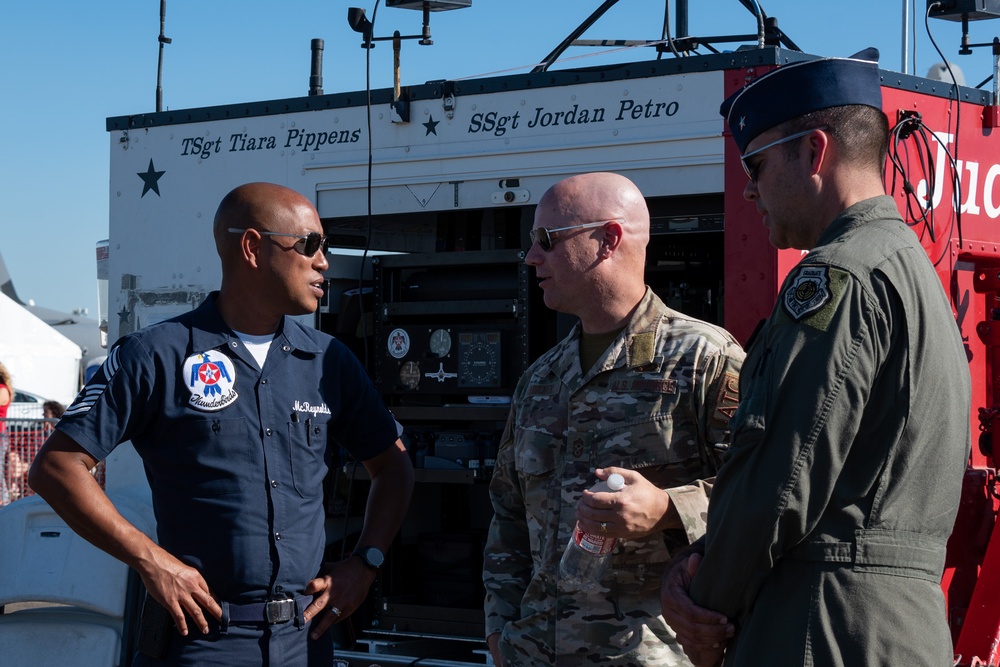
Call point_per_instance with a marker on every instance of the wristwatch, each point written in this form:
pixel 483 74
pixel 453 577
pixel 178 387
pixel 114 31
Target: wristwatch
pixel 370 556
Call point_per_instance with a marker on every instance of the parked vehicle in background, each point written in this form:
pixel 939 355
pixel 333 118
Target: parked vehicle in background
pixel 25 405
pixel 92 367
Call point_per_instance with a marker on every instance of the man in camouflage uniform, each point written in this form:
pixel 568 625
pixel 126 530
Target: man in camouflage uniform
pixel 829 519
pixel 635 388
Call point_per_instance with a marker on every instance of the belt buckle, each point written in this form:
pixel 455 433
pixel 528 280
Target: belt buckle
pixel 279 611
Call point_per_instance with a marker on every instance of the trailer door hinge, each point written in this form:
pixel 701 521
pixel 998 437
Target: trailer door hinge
pixel 448 99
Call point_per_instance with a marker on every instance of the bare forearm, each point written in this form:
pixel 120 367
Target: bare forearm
pixel 389 497
pixel 62 477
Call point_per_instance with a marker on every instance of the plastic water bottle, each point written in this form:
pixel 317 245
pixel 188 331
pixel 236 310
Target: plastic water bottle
pixel 587 554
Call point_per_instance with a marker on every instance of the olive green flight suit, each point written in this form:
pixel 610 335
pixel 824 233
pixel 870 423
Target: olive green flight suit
pixel 829 517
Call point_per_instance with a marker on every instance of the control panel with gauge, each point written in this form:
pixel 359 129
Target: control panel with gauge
pixel 429 355
pixel 449 333
pixel 479 359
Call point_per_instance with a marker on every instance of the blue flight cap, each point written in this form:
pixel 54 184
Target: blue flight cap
pixel 794 90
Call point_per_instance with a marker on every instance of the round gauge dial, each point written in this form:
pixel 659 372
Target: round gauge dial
pixel 409 375
pixel 440 343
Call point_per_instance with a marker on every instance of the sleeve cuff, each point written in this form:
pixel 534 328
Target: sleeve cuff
pixel 691 503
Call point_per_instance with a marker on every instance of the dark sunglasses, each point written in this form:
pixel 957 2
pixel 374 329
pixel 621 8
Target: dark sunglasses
pixel 543 237
pixel 306 245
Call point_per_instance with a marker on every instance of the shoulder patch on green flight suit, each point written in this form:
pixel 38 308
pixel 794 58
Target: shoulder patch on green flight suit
pixel 813 294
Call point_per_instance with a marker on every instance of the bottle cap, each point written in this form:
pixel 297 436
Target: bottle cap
pixel 616 482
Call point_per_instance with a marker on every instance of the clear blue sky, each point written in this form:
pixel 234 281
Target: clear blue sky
pixel 67 66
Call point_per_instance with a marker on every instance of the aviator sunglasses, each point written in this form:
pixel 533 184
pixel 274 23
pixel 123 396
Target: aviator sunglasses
pixel 752 170
pixel 543 237
pixel 306 245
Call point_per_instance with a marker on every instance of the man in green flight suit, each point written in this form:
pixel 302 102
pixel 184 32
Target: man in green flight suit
pixel 829 518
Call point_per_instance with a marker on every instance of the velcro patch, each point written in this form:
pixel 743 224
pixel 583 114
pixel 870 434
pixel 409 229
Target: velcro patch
pixel 641 348
pixel 579 445
pixel 812 294
pixel 808 292
pixel 727 400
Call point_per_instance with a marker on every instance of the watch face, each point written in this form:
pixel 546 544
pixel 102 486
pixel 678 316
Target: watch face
pixel 373 556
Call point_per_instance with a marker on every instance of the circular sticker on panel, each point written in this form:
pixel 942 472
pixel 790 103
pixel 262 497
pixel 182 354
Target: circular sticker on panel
pixel 399 343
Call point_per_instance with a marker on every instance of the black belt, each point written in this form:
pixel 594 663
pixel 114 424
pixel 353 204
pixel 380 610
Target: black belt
pixel 271 612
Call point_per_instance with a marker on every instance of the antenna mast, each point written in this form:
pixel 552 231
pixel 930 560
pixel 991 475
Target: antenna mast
pixel 163 39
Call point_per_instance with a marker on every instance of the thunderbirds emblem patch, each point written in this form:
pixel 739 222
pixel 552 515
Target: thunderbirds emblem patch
pixel 808 292
pixel 211 377
pixel 399 343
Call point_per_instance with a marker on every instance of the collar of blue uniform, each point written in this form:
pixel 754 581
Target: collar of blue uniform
pixel 297 337
pixel 209 330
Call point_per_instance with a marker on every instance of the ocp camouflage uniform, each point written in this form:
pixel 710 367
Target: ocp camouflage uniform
pixel 658 401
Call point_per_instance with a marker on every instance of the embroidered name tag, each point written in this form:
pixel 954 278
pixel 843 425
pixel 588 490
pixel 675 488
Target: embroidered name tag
pixel 543 389
pixel 635 385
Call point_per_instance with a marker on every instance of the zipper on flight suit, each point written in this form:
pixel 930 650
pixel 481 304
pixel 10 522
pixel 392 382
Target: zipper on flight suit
pixel 759 368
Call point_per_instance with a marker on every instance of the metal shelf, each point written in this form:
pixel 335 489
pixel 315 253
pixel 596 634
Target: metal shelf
pixel 451 412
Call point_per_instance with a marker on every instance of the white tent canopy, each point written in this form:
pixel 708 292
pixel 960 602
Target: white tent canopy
pixel 40 359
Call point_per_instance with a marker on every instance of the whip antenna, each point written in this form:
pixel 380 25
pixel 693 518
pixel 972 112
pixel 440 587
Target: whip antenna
pixel 162 39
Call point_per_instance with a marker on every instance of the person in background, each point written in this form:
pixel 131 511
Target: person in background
pixel 237 410
pixel 6 396
pixel 23 445
pixel 53 410
pixel 635 388
pixel 829 519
